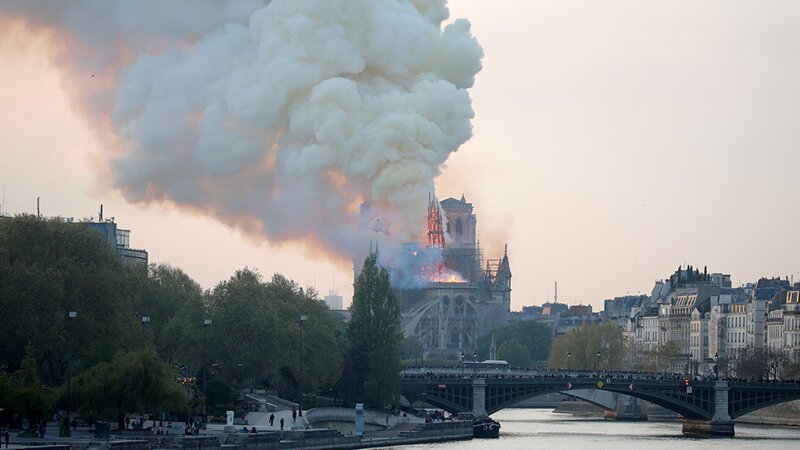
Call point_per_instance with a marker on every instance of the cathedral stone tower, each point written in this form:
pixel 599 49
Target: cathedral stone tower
pixel 460 224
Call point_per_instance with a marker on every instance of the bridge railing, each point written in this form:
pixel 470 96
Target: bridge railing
pixel 439 373
pixel 469 373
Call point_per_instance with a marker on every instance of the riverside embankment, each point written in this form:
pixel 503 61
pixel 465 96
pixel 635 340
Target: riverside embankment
pixel 402 431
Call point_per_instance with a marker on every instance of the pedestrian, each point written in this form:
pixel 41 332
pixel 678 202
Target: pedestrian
pixel 294 415
pixel 271 420
pixel 6 436
pixel 281 429
pixel 127 422
pixel 74 424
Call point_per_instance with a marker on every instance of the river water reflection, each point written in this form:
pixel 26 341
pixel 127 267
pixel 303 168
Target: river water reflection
pixel 541 428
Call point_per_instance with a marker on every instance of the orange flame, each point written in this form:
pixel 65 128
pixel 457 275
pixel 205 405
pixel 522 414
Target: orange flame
pixel 440 273
pixel 448 277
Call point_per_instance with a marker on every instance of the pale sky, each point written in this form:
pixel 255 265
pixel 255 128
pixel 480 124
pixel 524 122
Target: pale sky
pixel 613 141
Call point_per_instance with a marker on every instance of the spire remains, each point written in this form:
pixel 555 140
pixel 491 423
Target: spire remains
pixel 435 232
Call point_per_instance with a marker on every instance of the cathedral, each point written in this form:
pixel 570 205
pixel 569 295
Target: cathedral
pixel 465 298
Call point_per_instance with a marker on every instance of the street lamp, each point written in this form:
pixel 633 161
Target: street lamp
pixel 206 324
pixel 597 362
pixel 689 365
pixel 474 363
pixel 303 318
pixel 145 320
pixel 716 373
pixel 70 316
pixel 462 364
pixel 569 360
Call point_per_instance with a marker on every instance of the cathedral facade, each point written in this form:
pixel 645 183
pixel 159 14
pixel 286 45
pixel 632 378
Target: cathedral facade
pixel 448 314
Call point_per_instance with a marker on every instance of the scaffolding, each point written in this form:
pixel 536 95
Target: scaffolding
pixel 464 259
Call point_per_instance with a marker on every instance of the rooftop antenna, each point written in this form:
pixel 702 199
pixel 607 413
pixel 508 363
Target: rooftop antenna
pixel 101 213
pixel 555 298
pixel 38 214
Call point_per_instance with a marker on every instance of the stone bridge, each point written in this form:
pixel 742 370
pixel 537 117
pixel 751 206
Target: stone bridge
pixel 707 406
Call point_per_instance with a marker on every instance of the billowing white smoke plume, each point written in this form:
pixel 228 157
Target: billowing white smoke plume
pixel 279 118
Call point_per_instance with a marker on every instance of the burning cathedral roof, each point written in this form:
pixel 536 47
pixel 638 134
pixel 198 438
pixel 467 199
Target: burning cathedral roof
pixel 450 254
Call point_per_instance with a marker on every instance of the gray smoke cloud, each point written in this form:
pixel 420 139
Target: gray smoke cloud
pixel 278 118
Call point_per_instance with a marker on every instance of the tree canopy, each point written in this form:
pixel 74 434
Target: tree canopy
pixel 536 338
pixel 23 392
pixel 374 338
pixel 590 347
pixel 256 329
pixel 515 353
pixel 48 268
pixel 136 381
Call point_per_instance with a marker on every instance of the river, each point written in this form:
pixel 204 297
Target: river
pixel 543 429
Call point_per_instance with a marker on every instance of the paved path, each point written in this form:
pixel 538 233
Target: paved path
pixel 260 420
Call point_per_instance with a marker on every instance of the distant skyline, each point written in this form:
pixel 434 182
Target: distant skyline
pixel 612 142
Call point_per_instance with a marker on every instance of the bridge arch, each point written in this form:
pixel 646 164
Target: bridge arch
pixel 696 406
pixel 744 399
pixel 592 396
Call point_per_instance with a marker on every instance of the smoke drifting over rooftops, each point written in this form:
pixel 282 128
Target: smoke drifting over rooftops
pixel 277 118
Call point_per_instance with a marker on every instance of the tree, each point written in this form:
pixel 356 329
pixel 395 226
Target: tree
pixel 166 293
pixel 27 396
pixel 255 326
pixel 759 363
pixel 579 348
pixel 219 395
pixel 49 267
pixel 412 349
pixel 791 371
pixel 374 337
pixel 515 353
pixel 535 337
pixel 136 381
pixel 5 396
pixel 665 357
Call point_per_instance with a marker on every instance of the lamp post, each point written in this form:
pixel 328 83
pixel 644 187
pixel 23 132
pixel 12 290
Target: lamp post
pixel 462 364
pixel 70 316
pixel 303 318
pixel 569 360
pixel 145 320
pixel 716 373
pixel 206 324
pixel 474 364
pixel 597 362
pixel 689 365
